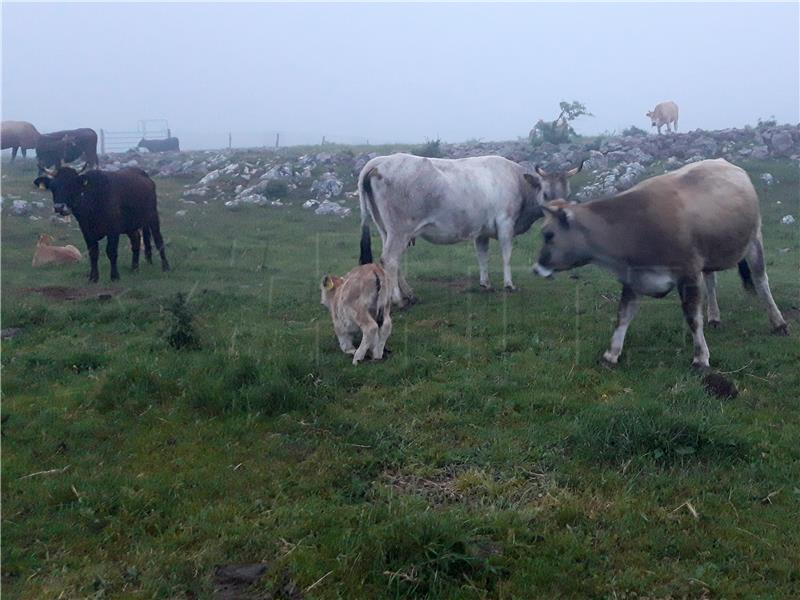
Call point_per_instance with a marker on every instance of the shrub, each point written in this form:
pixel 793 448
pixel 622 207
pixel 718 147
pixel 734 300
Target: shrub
pixel 431 149
pixel 275 188
pixel 559 131
pixel 180 331
pixel 634 130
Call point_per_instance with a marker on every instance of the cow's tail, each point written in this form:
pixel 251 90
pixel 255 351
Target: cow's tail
pixel 367 200
pixel 747 277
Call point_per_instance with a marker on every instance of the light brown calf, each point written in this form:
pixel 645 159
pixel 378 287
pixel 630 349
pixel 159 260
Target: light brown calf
pixel 47 254
pixel 360 302
pixel 664 114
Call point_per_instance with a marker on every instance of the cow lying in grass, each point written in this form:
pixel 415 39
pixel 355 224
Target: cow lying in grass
pixel 360 302
pixel 672 230
pixel 47 254
pixel 108 205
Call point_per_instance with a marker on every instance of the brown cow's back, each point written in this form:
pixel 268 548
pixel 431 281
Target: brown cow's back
pixel 18 134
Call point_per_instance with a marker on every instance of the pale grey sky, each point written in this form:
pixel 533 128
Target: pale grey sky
pixel 393 72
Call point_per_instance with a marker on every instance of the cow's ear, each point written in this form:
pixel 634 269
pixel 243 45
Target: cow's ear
pixel 534 181
pixel 43 183
pixel 83 180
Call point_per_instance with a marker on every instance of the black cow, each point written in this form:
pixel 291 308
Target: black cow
pixel 109 205
pixel 59 147
pixel 168 145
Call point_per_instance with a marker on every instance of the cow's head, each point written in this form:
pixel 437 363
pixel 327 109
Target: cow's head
pixel 564 246
pixel 67 187
pixel 555 185
pixel 652 116
pixel 328 287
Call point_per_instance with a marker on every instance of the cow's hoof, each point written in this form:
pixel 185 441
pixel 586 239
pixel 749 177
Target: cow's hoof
pixel 714 324
pixel 487 287
pixel 165 268
pixel 781 330
pixel 510 288
pixel 608 361
pixel 699 366
pixel 115 277
pixel 94 278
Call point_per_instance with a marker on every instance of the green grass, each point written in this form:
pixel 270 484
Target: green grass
pixel 489 457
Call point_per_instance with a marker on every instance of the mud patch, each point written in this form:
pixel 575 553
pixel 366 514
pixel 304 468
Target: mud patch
pixel 720 386
pixel 232 582
pixel 65 294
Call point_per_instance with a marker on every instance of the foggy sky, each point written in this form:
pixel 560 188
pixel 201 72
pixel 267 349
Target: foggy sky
pixel 390 72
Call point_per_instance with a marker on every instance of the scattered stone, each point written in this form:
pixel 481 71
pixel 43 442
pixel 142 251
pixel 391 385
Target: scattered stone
pixel 327 207
pixel 20 208
pixel 328 186
pixel 231 582
pixel 788 220
pixel 10 333
pixel 310 204
pixel 180 213
pixel 767 178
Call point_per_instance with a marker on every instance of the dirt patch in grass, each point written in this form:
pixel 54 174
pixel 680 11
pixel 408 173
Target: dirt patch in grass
pixel 232 582
pixel 457 484
pixel 720 386
pixel 64 294
pixel 460 285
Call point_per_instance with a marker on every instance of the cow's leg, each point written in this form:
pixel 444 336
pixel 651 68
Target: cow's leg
pixel 675 126
pixel 692 304
pixel 505 236
pixel 135 239
pixel 758 269
pixel 14 153
pixel 369 337
pixel 482 250
pixel 628 307
pixel 712 309
pixel 24 152
pixel 658 128
pixel 155 229
pixel 345 340
pixel 392 252
pixel 112 246
pixel 148 250
pixel 384 331
pixel 94 254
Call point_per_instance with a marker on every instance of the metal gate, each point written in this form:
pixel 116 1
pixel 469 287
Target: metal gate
pixel 122 141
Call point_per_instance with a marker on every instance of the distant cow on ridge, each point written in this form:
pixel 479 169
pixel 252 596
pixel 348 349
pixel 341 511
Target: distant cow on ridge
pixel 664 114
pixel 168 145
pixel 54 149
pixel 18 135
pixel 109 205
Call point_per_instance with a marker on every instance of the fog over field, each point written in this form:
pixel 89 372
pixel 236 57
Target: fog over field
pixel 393 73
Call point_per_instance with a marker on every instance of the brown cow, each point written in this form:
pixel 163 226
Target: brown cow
pixel 54 149
pixel 360 302
pixel 18 135
pixel 676 229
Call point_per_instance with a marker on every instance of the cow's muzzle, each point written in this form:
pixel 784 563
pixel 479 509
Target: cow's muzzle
pixel 542 271
pixel 62 209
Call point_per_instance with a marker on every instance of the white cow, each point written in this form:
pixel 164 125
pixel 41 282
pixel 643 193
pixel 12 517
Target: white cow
pixel 664 114
pixel 445 201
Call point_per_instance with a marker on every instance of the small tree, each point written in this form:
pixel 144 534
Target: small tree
pixel 180 331
pixel 559 131
pixel 431 149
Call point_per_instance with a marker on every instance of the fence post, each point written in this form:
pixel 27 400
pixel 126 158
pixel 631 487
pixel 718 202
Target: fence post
pixel 277 139
pixel 102 141
pixel 323 141
pixel 230 140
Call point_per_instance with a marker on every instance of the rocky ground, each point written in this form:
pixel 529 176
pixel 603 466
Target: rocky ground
pixel 327 179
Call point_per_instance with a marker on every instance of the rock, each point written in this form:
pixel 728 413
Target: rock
pixel 759 152
pixel 20 208
pixel 787 220
pixel 694 159
pixel 597 161
pixel 10 333
pixel 328 186
pixel 767 178
pixel 180 213
pixel 327 207
pixel 782 143
pixel 310 204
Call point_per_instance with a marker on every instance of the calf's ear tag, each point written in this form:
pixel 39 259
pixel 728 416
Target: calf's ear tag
pixel 41 187
pixel 85 182
pixel 328 283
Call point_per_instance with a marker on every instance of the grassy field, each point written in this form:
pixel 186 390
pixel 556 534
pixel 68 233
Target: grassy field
pixel 490 457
